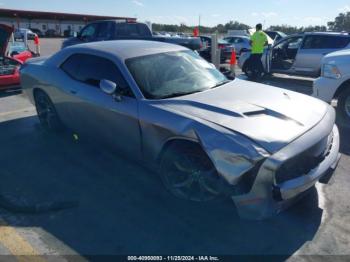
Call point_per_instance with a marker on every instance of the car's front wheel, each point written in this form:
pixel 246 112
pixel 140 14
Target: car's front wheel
pixel 343 107
pixel 47 113
pixel 188 173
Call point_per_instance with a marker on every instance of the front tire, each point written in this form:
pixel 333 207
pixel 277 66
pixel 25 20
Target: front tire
pixel 188 173
pixel 47 113
pixel 343 107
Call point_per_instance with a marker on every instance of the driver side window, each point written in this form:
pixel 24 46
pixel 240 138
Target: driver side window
pixel 89 32
pixel 291 43
pixel 91 69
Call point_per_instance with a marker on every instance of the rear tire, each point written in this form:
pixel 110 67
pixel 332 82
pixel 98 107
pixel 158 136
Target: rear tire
pixel 47 113
pixel 343 107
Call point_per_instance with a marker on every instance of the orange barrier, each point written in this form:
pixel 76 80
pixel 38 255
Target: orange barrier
pixel 233 60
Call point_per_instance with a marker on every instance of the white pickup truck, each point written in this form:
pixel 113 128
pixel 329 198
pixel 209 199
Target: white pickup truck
pixel 334 82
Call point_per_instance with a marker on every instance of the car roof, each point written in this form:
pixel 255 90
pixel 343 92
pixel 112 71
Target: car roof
pixel 322 33
pixel 327 33
pixel 125 49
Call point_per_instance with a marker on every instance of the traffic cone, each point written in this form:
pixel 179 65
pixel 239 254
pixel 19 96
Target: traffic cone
pixel 233 62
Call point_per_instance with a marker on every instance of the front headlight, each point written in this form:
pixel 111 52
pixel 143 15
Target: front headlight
pixel 331 71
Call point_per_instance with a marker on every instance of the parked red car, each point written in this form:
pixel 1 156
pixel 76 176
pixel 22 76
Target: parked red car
pixel 12 56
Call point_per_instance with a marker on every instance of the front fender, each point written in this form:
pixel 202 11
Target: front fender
pixel 232 154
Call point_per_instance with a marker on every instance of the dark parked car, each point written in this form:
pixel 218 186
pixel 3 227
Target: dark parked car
pixel 37 31
pixel 51 33
pixel 224 46
pixel 116 30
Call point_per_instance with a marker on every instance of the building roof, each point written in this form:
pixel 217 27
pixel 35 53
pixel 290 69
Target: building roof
pixel 26 14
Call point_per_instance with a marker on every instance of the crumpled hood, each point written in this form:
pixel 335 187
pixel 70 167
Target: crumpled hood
pixel 272 117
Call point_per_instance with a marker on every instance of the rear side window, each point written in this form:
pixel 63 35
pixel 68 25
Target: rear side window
pixel 325 42
pixel 91 69
pixel 105 31
pixel 94 68
pixel 132 30
pixel 89 31
pixel 71 66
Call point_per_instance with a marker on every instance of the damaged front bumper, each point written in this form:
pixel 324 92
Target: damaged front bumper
pixel 267 197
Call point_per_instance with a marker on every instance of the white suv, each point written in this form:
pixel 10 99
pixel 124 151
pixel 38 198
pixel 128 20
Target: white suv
pixel 334 82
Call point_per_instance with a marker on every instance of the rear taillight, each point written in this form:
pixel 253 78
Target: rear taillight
pixel 221 46
pixel 131 21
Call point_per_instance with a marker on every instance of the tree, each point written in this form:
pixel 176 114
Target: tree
pixel 293 29
pixel 340 23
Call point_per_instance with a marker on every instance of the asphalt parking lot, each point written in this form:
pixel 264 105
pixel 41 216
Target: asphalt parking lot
pixel 83 201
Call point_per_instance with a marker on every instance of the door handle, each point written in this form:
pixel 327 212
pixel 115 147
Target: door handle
pixel 73 92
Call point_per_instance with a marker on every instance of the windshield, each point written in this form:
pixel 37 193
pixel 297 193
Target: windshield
pixel 17 47
pixel 173 74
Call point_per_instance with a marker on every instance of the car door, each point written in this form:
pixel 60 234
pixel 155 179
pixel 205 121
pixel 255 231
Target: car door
pixel 314 48
pixel 99 116
pixel 282 55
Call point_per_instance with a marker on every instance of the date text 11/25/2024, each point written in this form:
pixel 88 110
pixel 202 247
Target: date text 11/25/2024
pixel 173 258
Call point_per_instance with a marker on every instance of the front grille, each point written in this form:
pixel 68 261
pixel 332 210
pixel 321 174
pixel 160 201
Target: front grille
pixel 304 163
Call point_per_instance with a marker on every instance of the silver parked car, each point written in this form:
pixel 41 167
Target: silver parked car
pixel 299 54
pixel 240 43
pixel 19 34
pixel 206 136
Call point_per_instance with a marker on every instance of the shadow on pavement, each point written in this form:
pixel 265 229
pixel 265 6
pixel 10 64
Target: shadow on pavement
pixel 124 209
pixel 344 139
pixel 10 92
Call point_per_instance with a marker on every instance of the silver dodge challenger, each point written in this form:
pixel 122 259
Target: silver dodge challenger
pixel 206 136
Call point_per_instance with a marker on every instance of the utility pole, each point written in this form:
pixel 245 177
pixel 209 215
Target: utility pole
pixel 199 23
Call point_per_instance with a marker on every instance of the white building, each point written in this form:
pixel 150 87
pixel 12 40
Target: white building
pixel 61 23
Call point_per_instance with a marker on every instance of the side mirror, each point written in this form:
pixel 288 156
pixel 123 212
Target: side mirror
pixel 110 88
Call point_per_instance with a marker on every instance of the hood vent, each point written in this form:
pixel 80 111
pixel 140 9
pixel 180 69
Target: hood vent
pixel 271 113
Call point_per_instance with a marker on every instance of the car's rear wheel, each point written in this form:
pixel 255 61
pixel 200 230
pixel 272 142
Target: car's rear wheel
pixel 47 113
pixel 343 107
pixel 188 173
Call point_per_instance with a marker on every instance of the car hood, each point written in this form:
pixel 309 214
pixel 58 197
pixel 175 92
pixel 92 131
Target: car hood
pixel 5 34
pixel 337 54
pixel 271 117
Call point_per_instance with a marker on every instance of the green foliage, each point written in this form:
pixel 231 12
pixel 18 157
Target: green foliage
pixel 220 28
pixel 340 23
pixel 293 29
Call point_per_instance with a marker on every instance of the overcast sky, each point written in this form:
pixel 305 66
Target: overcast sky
pixel 269 12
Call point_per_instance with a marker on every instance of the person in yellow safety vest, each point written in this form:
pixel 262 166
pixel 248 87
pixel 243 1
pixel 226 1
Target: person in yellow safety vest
pixel 258 41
